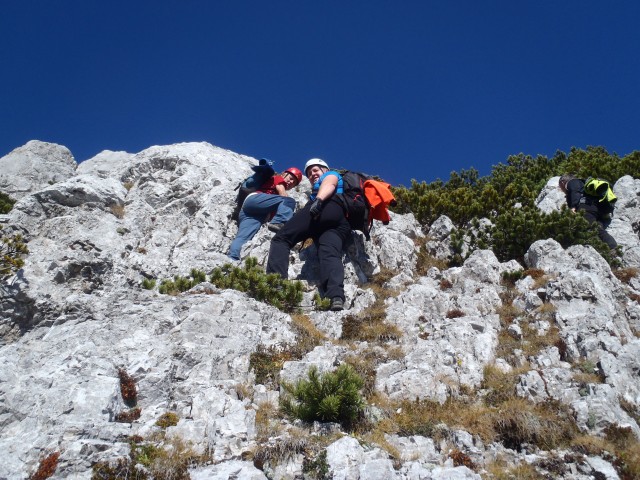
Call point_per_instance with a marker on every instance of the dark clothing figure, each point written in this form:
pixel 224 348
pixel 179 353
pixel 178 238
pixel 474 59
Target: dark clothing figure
pixel 329 232
pixel 323 220
pixel 593 210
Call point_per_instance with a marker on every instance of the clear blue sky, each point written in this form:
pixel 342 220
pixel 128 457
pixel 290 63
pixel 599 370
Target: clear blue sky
pixel 402 89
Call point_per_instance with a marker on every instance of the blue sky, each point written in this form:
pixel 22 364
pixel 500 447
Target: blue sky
pixel 402 89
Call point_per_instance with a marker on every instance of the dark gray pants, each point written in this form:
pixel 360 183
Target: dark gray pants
pixel 329 232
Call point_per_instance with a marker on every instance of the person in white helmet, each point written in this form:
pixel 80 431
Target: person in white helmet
pixel 323 220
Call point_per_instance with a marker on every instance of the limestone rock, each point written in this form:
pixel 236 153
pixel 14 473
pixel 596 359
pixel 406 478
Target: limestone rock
pixel 76 315
pixel 34 166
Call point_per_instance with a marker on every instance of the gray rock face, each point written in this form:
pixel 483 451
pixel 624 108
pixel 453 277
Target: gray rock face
pixel 33 166
pixel 75 315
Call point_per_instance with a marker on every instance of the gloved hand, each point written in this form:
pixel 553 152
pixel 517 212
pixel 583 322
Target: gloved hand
pixel 316 208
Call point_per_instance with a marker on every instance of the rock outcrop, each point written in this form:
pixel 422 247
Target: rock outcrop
pixel 75 317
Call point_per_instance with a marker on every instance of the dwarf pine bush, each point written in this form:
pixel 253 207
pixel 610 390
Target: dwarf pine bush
pixel 182 284
pixel 331 397
pixel 507 198
pixel 269 288
pixel 6 203
pixel 12 247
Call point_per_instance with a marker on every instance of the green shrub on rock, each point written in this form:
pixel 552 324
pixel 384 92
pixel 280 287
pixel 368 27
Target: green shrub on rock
pixel 507 198
pixel 12 247
pixel 332 397
pixel 6 203
pixel 269 288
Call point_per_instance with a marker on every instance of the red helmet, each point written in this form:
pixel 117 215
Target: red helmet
pixel 296 173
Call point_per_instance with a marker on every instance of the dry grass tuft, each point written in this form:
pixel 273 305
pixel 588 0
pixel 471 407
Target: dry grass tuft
pixel 534 273
pixel 425 418
pixel 160 461
pixel 267 421
pixel 445 284
pixel 167 419
pixel 46 467
pixel 626 274
pixel 369 325
pixel 117 210
pixel 308 336
pixel 461 459
pixel 425 261
pixel 455 313
pixel 500 470
pixel 547 425
pixel 500 386
pixel 128 416
pixel 279 451
pixel 383 277
pixel 128 388
pixel 619 447
pixel 267 362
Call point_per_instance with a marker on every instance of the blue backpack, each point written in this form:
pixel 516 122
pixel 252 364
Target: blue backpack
pixel 262 172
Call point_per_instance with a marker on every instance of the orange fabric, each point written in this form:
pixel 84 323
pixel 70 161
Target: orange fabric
pixel 379 197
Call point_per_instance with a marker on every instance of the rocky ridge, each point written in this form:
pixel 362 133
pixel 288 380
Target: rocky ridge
pixel 76 315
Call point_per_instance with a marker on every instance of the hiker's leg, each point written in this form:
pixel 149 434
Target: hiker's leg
pixel 285 210
pixel 605 236
pixel 330 243
pixel 247 227
pixel 294 231
pixel 261 205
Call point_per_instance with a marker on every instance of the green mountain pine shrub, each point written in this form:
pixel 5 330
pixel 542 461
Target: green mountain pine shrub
pixel 285 295
pixel 507 198
pixel 12 247
pixel 178 284
pixel 332 397
pixel 6 203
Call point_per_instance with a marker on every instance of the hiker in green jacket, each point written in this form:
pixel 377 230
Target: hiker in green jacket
pixel 593 209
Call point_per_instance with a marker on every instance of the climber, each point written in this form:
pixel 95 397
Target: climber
pixel 269 202
pixel 592 207
pixel 323 220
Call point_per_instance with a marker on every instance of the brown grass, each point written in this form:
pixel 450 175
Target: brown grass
pixel 423 417
pixel 461 459
pixel 626 274
pixel 128 416
pixel 46 467
pixel 128 388
pixel 267 362
pixel 167 419
pixel 308 336
pixel 499 470
pixel 619 447
pixel 117 210
pixel 425 261
pixel 369 325
pixel 546 425
pixel 455 313
pixel 534 273
pixel 500 386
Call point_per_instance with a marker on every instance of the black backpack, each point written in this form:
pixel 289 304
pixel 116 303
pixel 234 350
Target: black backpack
pixel 353 201
pixel 357 207
pixel 262 172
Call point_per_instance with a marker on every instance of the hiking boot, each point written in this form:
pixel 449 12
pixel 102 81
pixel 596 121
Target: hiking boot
pixel 275 227
pixel 337 304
